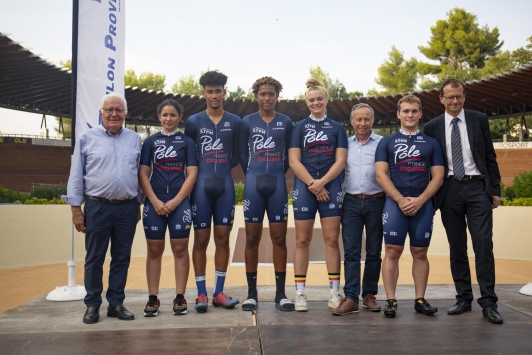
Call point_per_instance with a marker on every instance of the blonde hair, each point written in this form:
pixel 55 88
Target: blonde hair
pixel 315 84
pixel 411 99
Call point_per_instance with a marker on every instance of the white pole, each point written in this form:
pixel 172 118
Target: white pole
pixel 72 292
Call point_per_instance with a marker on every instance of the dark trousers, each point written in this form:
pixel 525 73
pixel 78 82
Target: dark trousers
pixel 105 222
pixel 466 204
pixel 357 214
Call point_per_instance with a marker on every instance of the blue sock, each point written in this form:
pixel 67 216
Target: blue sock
pixel 201 284
pixel 219 281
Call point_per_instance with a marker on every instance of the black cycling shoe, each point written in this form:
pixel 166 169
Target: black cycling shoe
pixel 390 308
pixel 422 306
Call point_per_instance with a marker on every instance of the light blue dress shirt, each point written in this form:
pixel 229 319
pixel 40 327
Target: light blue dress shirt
pixel 360 170
pixel 104 166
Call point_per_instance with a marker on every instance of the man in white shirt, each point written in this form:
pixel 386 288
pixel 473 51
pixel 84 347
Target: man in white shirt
pixel 470 191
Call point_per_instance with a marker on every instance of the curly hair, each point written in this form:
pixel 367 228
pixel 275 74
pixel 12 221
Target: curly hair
pixel 315 84
pixel 214 78
pixel 266 80
pixel 170 102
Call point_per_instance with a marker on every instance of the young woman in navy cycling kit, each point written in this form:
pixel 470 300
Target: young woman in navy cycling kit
pixel 167 173
pixel 264 139
pixel 317 154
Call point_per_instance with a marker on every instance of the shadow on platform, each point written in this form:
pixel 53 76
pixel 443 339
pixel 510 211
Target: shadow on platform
pixel 43 327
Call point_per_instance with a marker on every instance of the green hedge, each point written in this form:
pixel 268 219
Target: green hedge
pixel 522 186
pixel 521 201
pixel 49 192
pixel 43 201
pixel 7 195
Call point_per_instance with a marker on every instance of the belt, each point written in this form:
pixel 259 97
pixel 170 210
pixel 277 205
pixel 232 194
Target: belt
pixel 112 202
pixel 364 196
pixel 469 177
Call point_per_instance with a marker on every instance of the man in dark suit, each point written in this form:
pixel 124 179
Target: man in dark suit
pixel 470 191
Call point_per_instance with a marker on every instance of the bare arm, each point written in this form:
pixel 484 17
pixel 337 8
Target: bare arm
pixel 315 186
pixel 414 204
pixel 144 180
pixel 294 156
pixel 186 189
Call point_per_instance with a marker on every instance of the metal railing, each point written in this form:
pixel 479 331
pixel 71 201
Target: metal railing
pixel 15 135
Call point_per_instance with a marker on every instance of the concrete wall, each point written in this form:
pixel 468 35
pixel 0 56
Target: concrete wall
pixel 39 235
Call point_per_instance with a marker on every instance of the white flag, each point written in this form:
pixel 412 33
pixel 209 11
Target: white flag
pixel 100 62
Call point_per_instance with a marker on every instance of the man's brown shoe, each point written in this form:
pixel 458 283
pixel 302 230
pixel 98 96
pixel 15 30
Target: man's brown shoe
pixel 370 303
pixel 346 306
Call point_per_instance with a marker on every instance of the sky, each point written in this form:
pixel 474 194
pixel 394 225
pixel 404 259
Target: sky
pixel 248 39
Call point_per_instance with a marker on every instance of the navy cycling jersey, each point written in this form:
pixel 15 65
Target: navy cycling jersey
pixel 318 141
pixel 216 144
pixel 410 158
pixel 264 146
pixel 169 156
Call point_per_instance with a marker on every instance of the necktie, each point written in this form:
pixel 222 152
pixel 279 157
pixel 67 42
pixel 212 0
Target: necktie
pixel 456 151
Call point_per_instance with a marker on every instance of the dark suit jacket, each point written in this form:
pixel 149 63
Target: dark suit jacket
pixel 478 132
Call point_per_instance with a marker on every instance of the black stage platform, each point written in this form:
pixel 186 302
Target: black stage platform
pixel 42 327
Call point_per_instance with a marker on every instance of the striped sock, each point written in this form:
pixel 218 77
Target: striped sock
pixel 201 284
pixel 334 283
pixel 219 281
pixel 300 282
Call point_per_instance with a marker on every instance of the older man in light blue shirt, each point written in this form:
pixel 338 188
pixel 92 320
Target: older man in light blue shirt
pixel 104 173
pixel 362 208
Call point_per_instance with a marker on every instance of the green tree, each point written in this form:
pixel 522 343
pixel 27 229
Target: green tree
pixel 66 64
pixel 240 93
pixel 146 80
pixel 460 46
pixel 335 88
pixel 187 85
pixel 396 75
pixel 459 41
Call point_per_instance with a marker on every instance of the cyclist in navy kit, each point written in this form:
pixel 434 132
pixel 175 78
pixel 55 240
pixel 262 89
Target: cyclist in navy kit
pixel 264 138
pixel 167 173
pixel 409 168
pixel 317 155
pixel 215 133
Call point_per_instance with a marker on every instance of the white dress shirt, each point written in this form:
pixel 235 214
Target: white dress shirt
pixel 469 163
pixel 360 169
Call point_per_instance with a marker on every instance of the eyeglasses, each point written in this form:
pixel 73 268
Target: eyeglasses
pixel 110 111
pixel 451 98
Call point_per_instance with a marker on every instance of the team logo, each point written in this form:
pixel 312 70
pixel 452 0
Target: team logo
pixel 312 137
pixel 187 217
pixel 326 123
pixel 227 124
pixel 285 211
pixel 146 209
pixel 339 197
pixel 207 145
pixel 294 194
pixel 259 143
pixel 154 228
pixel 402 151
pixel 285 218
pixel 427 235
pixel 232 221
pixel 233 212
pixel 187 227
pixel 224 220
pixel 393 233
pixel 384 218
pixel 178 226
pixel 194 208
pixel 255 219
pixel 277 218
pixel 246 205
pixel 204 224
pixel 304 209
pixel 279 123
pixel 331 205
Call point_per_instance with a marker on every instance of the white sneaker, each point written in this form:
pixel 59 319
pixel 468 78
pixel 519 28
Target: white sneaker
pixel 334 300
pixel 300 304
